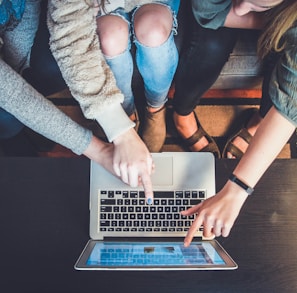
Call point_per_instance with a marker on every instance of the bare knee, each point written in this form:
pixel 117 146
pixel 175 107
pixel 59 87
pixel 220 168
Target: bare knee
pixel 153 24
pixel 113 34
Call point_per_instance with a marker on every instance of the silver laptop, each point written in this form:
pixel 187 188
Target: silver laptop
pixel 128 234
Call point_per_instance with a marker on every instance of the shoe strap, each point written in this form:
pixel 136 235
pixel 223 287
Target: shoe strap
pixel 245 135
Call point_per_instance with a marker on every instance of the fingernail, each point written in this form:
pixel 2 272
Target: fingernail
pixel 149 201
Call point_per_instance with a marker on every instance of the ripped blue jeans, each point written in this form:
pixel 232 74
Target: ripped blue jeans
pixel 157 65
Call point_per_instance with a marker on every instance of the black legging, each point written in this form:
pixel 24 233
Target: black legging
pixel 200 64
pixel 44 74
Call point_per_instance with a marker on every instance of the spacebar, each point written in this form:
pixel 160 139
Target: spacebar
pixel 163 194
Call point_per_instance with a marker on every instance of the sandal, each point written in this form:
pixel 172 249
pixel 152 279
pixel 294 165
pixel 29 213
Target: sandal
pixel 243 133
pixel 212 147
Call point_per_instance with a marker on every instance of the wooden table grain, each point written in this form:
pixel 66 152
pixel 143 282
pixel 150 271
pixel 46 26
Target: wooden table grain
pixel 44 216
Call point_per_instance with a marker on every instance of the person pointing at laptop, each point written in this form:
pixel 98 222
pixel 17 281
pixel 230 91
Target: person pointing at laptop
pixel 18 25
pixel 277 114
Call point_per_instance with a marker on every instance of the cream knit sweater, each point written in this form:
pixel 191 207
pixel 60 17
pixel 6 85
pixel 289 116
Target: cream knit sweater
pixel 75 45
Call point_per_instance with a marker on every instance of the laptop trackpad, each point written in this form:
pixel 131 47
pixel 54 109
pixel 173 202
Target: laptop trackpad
pixel 162 175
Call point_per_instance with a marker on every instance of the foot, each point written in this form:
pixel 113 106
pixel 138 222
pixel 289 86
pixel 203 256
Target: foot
pixel 186 126
pixel 240 143
pixel 194 136
pixel 154 128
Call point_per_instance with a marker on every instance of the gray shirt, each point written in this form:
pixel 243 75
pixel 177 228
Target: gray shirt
pixel 32 109
pixel 24 102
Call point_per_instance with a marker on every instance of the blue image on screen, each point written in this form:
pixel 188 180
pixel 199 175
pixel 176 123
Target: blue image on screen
pixel 153 254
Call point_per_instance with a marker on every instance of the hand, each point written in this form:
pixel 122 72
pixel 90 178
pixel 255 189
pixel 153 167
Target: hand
pixel 217 214
pixel 133 162
pixel 102 153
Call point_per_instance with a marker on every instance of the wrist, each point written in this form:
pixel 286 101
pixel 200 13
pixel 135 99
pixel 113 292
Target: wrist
pixel 234 192
pixel 129 135
pixel 240 183
pixel 95 149
pixel 114 121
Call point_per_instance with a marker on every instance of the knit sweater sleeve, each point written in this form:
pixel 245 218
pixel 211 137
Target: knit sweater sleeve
pixel 32 109
pixel 75 46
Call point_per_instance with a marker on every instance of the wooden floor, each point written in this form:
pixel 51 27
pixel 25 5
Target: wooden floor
pixel 221 113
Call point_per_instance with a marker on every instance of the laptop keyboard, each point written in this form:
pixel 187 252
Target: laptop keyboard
pixel 126 211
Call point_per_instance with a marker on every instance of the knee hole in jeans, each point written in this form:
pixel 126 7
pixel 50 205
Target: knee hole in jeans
pixel 152 27
pixel 113 33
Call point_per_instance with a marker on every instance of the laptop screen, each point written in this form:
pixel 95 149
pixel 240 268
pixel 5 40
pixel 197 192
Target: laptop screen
pixel 148 255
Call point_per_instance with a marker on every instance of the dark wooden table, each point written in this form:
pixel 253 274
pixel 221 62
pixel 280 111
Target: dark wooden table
pixel 44 226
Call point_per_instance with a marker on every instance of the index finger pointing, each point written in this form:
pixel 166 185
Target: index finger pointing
pixel 193 229
pixel 148 188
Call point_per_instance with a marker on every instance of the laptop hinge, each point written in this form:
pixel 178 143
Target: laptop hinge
pixel 149 239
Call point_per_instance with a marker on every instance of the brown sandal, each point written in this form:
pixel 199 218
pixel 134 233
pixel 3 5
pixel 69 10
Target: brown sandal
pixel 212 147
pixel 232 148
pixel 243 133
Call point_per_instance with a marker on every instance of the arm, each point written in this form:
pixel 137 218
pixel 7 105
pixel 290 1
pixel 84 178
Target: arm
pixel 219 213
pixel 101 153
pixel 31 108
pixel 75 45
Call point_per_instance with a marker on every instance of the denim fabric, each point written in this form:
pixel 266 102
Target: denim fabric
pixel 156 65
pixel 123 76
pixel 200 64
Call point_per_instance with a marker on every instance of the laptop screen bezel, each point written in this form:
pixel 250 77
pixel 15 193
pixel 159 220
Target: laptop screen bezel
pixel 229 263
